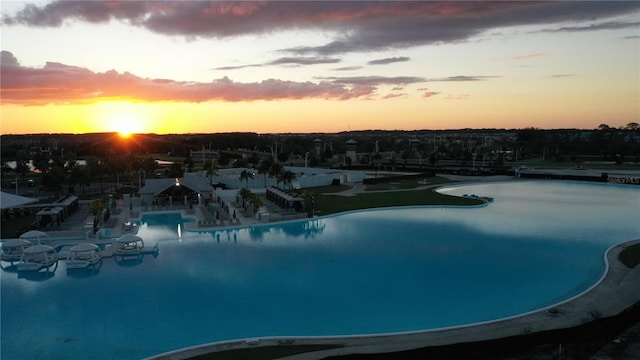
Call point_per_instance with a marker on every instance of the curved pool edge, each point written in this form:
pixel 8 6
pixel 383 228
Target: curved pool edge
pixel 595 302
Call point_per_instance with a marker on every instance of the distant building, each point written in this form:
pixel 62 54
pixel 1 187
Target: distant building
pixel 192 188
pixel 317 147
pixel 204 155
pixel 351 151
pixel 414 142
pixel 44 151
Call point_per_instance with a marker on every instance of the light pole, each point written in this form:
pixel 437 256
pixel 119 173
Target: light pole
pixel 306 156
pixel 474 161
pixel 140 178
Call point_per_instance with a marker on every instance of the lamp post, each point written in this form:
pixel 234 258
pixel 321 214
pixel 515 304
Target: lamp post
pixel 306 156
pixel 141 171
pixel 474 161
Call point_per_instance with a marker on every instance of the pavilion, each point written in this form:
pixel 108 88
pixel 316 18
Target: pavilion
pixel 192 188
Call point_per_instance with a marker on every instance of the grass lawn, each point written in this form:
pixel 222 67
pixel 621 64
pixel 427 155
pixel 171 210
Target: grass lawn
pixel 327 204
pixel 331 204
pixel 407 184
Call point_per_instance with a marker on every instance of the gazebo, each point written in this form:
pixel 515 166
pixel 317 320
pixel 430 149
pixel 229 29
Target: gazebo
pixel 176 191
pixel 36 237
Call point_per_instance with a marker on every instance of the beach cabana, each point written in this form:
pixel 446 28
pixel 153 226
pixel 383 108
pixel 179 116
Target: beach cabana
pixel 128 244
pixel 36 237
pixel 37 257
pixel 12 249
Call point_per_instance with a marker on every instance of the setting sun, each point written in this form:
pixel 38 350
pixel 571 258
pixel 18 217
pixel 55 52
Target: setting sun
pixel 125 125
pixel 121 117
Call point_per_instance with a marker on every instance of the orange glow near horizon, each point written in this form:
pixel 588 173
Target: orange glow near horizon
pixel 125 118
pixel 306 116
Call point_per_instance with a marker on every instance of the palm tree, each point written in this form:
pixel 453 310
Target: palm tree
pixel 255 201
pixel 53 180
pixel 96 207
pixel 244 194
pixel 276 170
pixel 212 170
pixel 246 175
pixel 309 201
pixel 264 169
pixel 288 177
pixel 80 175
pixel 96 169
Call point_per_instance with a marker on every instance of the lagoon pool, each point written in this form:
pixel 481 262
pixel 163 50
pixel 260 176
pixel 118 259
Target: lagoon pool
pixel 367 272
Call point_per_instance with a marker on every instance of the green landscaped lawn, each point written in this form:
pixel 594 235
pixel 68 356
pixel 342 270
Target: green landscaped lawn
pixel 327 204
pixel 408 184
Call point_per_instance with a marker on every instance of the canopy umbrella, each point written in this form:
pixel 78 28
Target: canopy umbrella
pixel 11 200
pixel 35 236
pixel 128 238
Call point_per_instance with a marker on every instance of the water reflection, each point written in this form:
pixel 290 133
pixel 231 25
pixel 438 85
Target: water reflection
pixel 131 260
pixel 42 275
pixel 87 272
pixel 560 209
pixel 306 229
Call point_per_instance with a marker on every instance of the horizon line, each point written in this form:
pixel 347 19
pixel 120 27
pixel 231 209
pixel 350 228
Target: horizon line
pixel 309 133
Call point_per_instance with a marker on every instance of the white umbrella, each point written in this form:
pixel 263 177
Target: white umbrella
pixel 35 235
pixel 129 238
pixel 8 201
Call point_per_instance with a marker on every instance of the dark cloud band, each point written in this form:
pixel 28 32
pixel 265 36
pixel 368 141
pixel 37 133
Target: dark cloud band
pixel 368 25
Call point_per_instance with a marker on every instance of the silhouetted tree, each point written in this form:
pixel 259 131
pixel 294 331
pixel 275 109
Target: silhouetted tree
pixel 245 176
pixel 53 180
pixel 264 169
pixel 275 171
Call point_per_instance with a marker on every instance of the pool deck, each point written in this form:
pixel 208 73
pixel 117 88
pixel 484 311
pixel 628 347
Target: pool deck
pixel 79 225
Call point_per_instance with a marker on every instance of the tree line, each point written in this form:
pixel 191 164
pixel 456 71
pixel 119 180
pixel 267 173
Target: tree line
pixel 109 159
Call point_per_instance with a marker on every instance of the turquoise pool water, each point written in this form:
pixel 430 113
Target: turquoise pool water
pixel 378 271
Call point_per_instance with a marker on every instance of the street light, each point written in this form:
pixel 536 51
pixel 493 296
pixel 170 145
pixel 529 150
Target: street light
pixel 306 156
pixel 140 178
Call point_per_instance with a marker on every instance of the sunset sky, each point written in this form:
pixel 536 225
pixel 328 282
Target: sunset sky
pixel 329 66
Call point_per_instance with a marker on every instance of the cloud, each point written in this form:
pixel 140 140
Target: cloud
pixel 367 86
pixel 7 59
pixel 374 80
pixel 464 78
pixel 60 83
pixel 562 75
pixel 395 96
pixel 304 61
pixel 612 25
pixel 238 67
pixel 386 61
pixel 458 97
pixel 361 25
pixel 286 61
pixel 428 94
pixel 348 68
pixel 56 13
pixel 524 57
